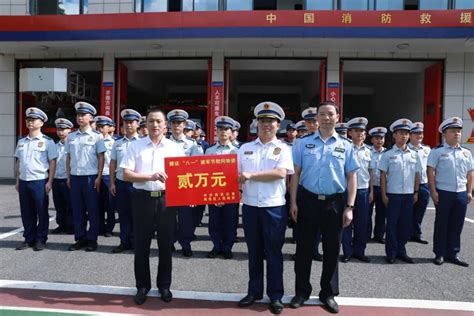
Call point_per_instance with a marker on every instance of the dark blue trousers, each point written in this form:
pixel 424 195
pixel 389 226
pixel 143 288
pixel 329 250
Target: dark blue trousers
pixel 85 207
pixel 198 214
pixel 222 226
pixel 124 207
pixel 380 215
pixel 62 203
pixel 399 221
pixel 186 228
pixel 264 229
pixel 34 210
pixel 106 207
pixel 354 236
pixel 419 209
pixel 449 221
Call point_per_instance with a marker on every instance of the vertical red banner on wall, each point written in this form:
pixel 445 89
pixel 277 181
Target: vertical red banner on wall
pixel 107 99
pixel 217 103
pixel 334 94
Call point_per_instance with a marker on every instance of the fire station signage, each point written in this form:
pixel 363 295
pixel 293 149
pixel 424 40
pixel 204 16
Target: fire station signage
pixel 199 180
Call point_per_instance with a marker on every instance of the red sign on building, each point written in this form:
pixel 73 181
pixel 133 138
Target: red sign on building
pixel 217 104
pixel 107 99
pixel 199 180
pixel 334 94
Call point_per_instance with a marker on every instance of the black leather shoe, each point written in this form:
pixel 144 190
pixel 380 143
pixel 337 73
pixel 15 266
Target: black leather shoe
pixel 91 246
pixel 439 260
pixel 330 304
pixel 213 254
pixel 166 295
pixel 362 258
pixel 78 245
pixel 228 255
pixel 406 258
pixel 23 246
pixel 276 307
pixel 120 248
pixel 297 301
pixel 108 234
pixel 59 230
pixel 390 260
pixel 318 257
pixel 39 246
pixel 249 300
pixel 380 240
pixel 457 261
pixel 187 252
pixel 419 240
pixel 140 297
pixel 345 259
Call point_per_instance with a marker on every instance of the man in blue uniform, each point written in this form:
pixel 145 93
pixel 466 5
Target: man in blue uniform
pixel 84 163
pixel 235 134
pixel 400 169
pixel 34 169
pixel 377 138
pixel 354 237
pixel 120 189
pixel 419 209
pixel 325 167
pixel 61 194
pixel 263 166
pixel 223 218
pixel 450 169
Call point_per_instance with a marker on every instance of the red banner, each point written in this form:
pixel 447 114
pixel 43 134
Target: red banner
pixel 107 99
pixel 217 95
pixel 200 180
pixel 334 93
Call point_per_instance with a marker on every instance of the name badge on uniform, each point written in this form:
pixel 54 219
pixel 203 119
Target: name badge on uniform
pixel 40 144
pixel 466 154
pixel 248 152
pixel 444 155
pixel 393 157
pixel 339 149
pixel 277 151
pixel 310 146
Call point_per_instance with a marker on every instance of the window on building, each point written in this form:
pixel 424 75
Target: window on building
pixel 434 4
pixel 151 5
pixel 44 7
pixel 464 4
pixel 389 5
pixel 265 4
pixel 353 4
pixel 200 5
pixel 319 5
pixel 239 5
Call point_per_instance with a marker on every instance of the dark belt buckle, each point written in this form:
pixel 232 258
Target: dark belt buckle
pixel 156 193
pixel 321 197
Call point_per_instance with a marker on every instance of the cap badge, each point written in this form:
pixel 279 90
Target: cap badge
pixel 266 106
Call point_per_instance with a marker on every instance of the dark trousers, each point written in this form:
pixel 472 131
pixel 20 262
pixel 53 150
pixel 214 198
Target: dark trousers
pixel 85 207
pixel 419 209
pixel 354 236
pixel 399 219
pixel 449 221
pixel 327 216
pixel 34 210
pixel 222 226
pixel 106 207
pixel 380 215
pixel 264 230
pixel 124 208
pixel 62 203
pixel 198 214
pixel 151 215
pixel 185 229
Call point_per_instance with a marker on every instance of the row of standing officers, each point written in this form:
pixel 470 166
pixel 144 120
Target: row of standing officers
pixel 332 185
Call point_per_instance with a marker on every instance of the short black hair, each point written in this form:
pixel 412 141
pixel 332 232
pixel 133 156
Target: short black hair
pixel 329 103
pixel 155 109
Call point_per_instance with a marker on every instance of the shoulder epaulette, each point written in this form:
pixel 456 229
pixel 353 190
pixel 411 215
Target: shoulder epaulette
pixel 465 148
pixel 440 145
pixel 307 135
pixel 21 138
pixel 345 138
pixel 120 138
pixel 190 138
pixel 96 131
pixel 388 148
pixel 47 137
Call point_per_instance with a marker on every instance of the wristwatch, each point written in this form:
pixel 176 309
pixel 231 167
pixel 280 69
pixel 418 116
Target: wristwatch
pixel 350 206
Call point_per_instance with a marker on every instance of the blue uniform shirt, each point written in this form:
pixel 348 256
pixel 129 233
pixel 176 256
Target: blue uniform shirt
pixel 363 158
pixel 401 167
pixel 118 152
pixel 451 166
pixel 374 164
pixel 218 149
pixel 423 151
pixel 190 147
pixel 324 164
pixel 60 172
pixel 34 155
pixel 83 148
pixel 108 143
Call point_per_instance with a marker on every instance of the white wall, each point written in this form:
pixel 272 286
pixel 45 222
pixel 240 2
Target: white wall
pixel 7 115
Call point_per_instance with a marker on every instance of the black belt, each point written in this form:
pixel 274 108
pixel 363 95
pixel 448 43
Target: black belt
pixel 154 194
pixel 323 197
